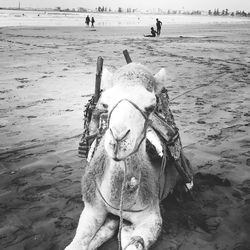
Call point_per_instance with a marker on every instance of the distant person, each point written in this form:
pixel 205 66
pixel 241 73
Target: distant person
pixel 92 22
pixel 153 33
pixel 158 26
pixel 87 21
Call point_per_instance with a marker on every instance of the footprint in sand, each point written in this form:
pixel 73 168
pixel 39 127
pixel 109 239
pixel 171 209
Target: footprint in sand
pixel 44 76
pixel 75 199
pixel 245 186
pixel 22 80
pixel 36 209
pixel 20 86
pixel 63 184
pixel 34 241
pixel 20 107
pixel 62 170
pixel 213 223
pixel 19 181
pixel 199 101
pixel 241 246
pixel 35 193
pixel 248 162
pixel 5 91
pixel 66 222
pixel 53 213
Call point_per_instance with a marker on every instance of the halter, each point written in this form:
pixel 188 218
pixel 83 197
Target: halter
pixel 144 131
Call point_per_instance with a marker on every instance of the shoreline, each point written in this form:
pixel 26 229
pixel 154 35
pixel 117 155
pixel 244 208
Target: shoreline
pixel 34 18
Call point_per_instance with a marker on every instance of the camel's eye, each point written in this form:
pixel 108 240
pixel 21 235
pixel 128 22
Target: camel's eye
pixel 102 107
pixel 105 106
pixel 149 109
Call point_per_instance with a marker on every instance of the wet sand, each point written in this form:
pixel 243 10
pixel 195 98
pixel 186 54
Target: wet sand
pixel 46 75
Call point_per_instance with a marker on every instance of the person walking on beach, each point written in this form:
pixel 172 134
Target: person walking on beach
pixel 158 26
pixel 92 22
pixel 153 33
pixel 87 20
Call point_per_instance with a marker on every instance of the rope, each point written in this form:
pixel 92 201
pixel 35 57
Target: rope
pixel 124 210
pixel 162 173
pixel 121 207
pixel 204 85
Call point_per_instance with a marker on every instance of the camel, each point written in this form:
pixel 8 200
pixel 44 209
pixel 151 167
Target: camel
pixel 120 174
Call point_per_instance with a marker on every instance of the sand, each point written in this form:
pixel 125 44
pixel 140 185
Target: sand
pixel 46 75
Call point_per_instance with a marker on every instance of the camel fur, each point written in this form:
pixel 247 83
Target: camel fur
pixel 129 96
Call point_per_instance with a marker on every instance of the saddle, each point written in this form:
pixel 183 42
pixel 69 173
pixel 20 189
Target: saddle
pixel 163 140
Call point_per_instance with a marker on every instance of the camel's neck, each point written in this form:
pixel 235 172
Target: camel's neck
pixel 140 183
pixel 130 168
pixel 109 175
pixel 131 163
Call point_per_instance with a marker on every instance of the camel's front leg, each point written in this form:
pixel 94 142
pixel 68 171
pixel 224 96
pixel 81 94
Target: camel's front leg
pixel 106 231
pixel 90 221
pixel 147 227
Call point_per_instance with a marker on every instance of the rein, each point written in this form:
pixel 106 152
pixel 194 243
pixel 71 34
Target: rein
pixel 115 208
pixel 144 132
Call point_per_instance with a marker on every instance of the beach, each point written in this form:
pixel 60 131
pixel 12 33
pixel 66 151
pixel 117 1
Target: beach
pixel 47 75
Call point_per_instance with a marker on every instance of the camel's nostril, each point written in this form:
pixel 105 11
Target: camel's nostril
pixel 116 159
pixel 119 136
pixel 125 135
pixel 113 144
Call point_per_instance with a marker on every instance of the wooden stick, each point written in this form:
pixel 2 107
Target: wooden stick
pixel 127 57
pixel 98 78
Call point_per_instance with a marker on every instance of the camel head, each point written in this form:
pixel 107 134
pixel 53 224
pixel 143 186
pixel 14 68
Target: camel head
pixel 129 96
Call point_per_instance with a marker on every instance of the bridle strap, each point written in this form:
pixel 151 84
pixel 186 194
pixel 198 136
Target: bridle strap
pixel 115 208
pixel 133 104
pixel 146 124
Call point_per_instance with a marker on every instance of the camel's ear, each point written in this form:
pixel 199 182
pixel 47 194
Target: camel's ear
pixel 107 79
pixel 161 80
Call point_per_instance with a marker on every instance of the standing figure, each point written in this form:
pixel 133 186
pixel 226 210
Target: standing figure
pixel 92 22
pixel 87 20
pixel 158 26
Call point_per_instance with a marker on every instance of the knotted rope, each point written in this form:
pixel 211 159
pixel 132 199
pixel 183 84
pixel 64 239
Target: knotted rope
pixel 121 207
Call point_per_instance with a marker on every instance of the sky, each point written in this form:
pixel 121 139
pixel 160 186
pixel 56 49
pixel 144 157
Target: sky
pixel 232 5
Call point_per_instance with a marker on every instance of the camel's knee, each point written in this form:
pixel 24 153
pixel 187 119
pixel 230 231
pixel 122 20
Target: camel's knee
pixel 106 231
pixel 90 221
pixel 76 246
pixel 145 232
pixel 136 243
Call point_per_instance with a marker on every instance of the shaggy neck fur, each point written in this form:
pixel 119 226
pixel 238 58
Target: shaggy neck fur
pixel 138 166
